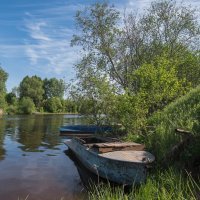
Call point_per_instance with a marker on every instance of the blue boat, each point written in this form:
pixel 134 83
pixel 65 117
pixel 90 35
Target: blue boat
pixel 83 130
pixel 119 162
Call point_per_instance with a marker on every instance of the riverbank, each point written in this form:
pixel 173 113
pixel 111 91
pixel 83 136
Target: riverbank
pixel 163 185
pixel 47 113
pixel 176 174
pixel 40 113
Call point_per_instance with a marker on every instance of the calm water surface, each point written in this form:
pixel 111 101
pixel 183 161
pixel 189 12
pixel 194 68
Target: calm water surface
pixel 33 161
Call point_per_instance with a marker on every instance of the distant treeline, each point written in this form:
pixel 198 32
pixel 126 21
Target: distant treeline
pixel 35 95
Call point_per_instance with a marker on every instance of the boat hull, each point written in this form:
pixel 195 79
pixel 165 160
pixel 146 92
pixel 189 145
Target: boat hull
pixel 121 172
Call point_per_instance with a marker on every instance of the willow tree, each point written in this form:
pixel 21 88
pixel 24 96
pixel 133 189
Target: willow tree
pixel 114 49
pixel 117 48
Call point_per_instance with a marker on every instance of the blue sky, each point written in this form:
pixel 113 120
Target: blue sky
pixel 35 36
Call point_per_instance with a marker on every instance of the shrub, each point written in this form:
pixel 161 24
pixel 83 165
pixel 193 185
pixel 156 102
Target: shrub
pixel 26 106
pixel 53 105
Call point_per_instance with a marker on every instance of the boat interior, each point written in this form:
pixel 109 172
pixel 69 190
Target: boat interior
pixel 117 150
pixel 93 140
pixel 104 145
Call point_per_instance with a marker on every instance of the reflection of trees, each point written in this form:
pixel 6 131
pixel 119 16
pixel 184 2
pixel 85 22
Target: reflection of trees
pixel 30 132
pixel 2 136
pixel 34 132
pixel 51 126
pixel 73 119
pixel 39 130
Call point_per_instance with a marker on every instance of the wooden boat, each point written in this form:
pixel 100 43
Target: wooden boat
pixel 83 130
pixel 119 162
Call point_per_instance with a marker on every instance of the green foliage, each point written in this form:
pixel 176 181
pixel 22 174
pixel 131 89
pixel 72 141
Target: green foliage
pixel 54 105
pixel 188 67
pixel 158 83
pixel 53 88
pixel 71 106
pixel 3 78
pixel 169 26
pixel 32 87
pixel 95 99
pixel 99 35
pixel 12 102
pixel 48 92
pixel 11 98
pixel 3 103
pixel 130 111
pixel 12 109
pixel 26 106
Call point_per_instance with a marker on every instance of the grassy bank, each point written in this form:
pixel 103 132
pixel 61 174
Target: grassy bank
pixel 183 113
pixel 170 184
pixel 167 185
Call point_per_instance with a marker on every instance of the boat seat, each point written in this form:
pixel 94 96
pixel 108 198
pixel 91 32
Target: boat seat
pixel 115 146
pixel 130 156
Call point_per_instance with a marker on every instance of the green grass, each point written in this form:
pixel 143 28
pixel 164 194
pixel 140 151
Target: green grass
pixel 168 185
pixel 183 113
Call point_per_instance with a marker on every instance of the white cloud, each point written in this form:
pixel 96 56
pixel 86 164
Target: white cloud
pixel 141 5
pixel 48 47
pixel 14 51
pixel 36 32
pixel 138 4
pixel 32 55
pixel 133 6
pixel 50 50
pixel 46 40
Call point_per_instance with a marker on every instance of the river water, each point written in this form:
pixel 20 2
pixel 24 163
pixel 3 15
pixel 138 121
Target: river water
pixel 33 161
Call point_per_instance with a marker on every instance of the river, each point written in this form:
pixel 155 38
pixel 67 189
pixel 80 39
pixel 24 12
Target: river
pixel 33 161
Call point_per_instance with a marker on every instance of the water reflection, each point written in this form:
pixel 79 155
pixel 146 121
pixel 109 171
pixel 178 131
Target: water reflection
pixel 36 132
pixel 32 159
pixel 2 136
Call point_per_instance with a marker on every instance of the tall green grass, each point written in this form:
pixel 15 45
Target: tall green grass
pixel 168 185
pixel 183 113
